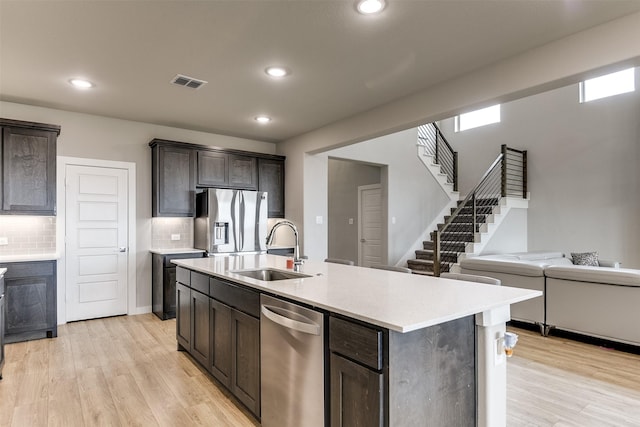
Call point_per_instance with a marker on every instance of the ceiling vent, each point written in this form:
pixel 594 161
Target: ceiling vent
pixel 187 81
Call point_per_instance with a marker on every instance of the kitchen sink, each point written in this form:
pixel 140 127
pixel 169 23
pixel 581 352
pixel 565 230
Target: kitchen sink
pixel 270 274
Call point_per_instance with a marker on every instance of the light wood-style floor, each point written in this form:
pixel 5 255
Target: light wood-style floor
pixel 126 371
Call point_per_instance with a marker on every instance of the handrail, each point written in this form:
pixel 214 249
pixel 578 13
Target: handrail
pixel 434 142
pixel 512 179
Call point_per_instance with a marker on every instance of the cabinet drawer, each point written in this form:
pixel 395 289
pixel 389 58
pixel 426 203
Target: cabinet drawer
pixel 200 282
pixel 183 276
pixel 235 296
pixel 360 343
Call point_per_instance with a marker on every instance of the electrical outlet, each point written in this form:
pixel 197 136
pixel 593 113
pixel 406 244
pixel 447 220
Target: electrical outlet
pixel 319 219
pixel 175 237
pixel 4 240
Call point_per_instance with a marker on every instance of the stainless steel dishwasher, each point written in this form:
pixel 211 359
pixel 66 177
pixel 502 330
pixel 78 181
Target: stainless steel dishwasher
pixel 292 364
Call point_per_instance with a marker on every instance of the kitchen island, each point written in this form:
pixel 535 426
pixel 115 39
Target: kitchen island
pixel 428 349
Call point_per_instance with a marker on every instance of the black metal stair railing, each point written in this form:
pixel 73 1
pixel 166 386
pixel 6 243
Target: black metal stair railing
pixel 436 145
pixel 507 176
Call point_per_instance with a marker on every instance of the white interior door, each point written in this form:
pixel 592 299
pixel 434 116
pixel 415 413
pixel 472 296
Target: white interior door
pixel 96 242
pixel 370 232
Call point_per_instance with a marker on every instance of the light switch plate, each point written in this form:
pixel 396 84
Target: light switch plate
pixel 175 237
pixel 319 219
pixel 4 240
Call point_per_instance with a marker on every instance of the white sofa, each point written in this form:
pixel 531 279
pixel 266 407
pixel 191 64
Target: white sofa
pixel 596 301
pixel 518 270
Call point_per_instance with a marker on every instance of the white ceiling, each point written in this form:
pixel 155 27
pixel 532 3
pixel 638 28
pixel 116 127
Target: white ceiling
pixel 343 63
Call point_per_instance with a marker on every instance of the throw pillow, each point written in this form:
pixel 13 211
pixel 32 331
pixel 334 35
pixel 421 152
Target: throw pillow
pixel 585 258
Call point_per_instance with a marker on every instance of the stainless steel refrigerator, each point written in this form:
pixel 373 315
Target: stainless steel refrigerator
pixel 230 221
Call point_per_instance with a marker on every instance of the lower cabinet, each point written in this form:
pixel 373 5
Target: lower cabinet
pixel 163 283
pixel 200 336
pixel 245 357
pixel 356 394
pixel 30 301
pixel 221 331
pixel 220 316
pixel 356 375
pixel 183 316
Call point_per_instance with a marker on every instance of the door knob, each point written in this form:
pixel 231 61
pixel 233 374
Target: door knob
pixel 362 240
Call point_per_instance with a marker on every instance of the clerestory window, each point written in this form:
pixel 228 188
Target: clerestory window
pixel 477 118
pixel 608 85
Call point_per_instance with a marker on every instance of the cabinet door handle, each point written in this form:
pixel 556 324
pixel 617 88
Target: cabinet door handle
pixel 122 249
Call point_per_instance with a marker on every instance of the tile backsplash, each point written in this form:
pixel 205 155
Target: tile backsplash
pixel 27 235
pixel 163 228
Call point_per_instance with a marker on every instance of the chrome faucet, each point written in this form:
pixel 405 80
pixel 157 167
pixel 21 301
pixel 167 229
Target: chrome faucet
pixel 297 261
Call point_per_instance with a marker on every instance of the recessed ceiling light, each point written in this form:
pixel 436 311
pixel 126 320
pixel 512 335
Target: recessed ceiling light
pixel 262 119
pixel 368 7
pixel 81 83
pixel 277 71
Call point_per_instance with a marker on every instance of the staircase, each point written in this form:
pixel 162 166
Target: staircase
pixel 466 227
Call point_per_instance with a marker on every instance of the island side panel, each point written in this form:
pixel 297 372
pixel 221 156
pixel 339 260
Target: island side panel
pixel 432 375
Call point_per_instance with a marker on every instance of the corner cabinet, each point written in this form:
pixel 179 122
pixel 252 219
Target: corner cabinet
pixel 28 167
pixel 180 169
pixel 217 323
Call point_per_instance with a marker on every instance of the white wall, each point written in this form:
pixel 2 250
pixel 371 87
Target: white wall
pixel 414 196
pixel 583 168
pixel 550 66
pixel 95 137
pixel 345 177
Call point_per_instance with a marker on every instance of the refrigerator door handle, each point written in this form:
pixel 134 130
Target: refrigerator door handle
pixel 308 327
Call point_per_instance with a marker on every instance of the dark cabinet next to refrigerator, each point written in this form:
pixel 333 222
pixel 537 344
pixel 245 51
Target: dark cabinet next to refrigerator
pixel 163 283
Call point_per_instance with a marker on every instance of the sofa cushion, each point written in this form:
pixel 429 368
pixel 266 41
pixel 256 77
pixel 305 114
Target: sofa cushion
pixel 532 256
pixel 585 258
pixel 604 275
pixel 503 266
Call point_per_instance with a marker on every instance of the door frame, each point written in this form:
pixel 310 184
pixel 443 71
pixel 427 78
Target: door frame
pixel 61 195
pixel 383 209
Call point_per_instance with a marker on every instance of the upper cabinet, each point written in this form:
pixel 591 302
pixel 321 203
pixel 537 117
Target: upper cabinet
pixel 243 172
pixel 28 167
pixel 223 170
pixel 173 179
pixel 180 168
pixel 271 180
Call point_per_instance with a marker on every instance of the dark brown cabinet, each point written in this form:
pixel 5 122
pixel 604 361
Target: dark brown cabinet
pixel 28 167
pixel 356 374
pixel 178 169
pixel 383 377
pixel 245 356
pixel 213 169
pixel 223 170
pixel 356 394
pixel 30 295
pixel 271 180
pixel 243 172
pixel 200 327
pixel 223 332
pixel 220 317
pixel 183 316
pixel 163 283
pixel 173 179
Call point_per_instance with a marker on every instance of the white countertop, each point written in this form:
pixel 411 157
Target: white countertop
pixel 176 251
pixel 28 258
pixel 397 301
